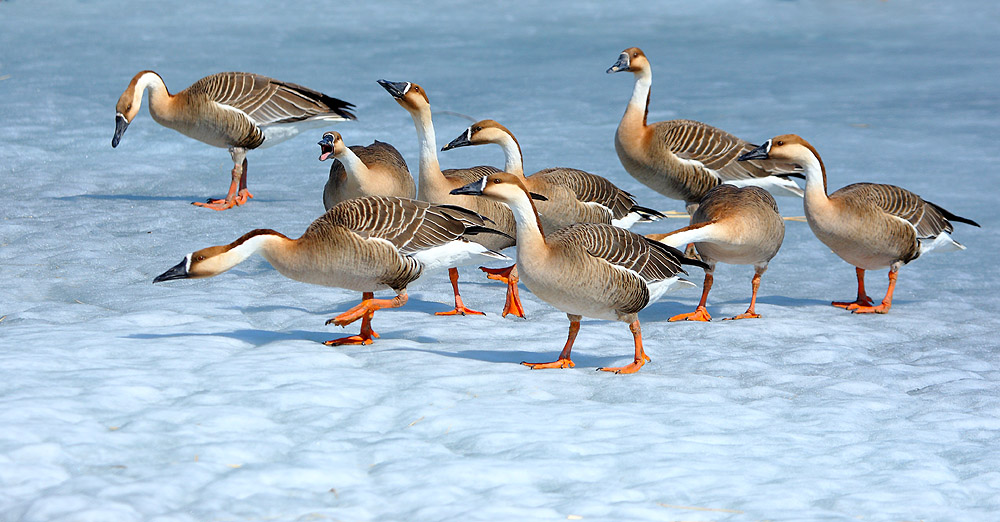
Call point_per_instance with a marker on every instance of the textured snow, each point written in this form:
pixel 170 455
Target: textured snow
pixel 215 399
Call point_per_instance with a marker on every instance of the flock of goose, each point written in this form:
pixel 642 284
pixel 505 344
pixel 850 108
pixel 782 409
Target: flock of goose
pixel 574 251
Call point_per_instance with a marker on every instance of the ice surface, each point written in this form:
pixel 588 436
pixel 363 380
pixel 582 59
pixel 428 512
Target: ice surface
pixel 214 399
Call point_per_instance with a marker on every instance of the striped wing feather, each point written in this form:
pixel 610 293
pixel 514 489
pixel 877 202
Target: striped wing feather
pixel 652 261
pixel 927 218
pixel 268 101
pixel 470 174
pixel 590 188
pixel 717 150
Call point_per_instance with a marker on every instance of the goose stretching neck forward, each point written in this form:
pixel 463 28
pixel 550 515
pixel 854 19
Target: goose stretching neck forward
pixel 684 159
pixel 573 196
pixel 365 244
pixel 233 110
pixel 586 269
pixel 358 171
pixel 869 225
pixel 436 186
pixel 735 225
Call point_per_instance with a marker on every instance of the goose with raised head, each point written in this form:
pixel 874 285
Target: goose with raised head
pixel 358 171
pixel 233 110
pixel 573 195
pixel 364 244
pixel 586 269
pixel 684 159
pixel 869 225
pixel 436 186
pixel 735 225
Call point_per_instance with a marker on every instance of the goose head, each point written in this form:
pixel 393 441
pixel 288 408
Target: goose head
pixel 789 148
pixel 631 59
pixel 408 95
pixel 128 106
pixel 331 145
pixel 501 186
pixel 206 262
pixel 481 133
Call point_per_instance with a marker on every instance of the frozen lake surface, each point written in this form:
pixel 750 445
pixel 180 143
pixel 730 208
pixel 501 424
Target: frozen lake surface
pixel 215 399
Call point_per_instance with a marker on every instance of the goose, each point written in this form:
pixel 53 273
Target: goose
pixel 735 225
pixel 684 159
pixel 586 269
pixel 364 244
pixel 436 186
pixel 234 110
pixel 376 170
pixel 573 196
pixel 869 225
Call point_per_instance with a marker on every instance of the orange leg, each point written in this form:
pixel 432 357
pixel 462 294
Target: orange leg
pixel 367 307
pixel 507 275
pixel 640 356
pixel 460 308
pixel 700 313
pixel 863 299
pixel 238 193
pixel 886 303
pixel 563 361
pixel 750 314
pixel 366 335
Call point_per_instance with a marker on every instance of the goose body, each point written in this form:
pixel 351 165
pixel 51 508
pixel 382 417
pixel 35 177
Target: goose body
pixel 734 225
pixel 684 159
pixel 572 195
pixel 233 110
pixel 437 186
pixel 365 244
pixel 359 171
pixel 586 269
pixel 869 225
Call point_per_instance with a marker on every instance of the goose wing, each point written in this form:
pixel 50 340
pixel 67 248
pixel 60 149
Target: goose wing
pixel 717 150
pixel 591 188
pixel 928 219
pixel 466 176
pixel 268 101
pixel 648 259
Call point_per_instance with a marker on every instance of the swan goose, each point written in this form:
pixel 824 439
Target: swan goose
pixel 573 196
pixel 684 159
pixel 358 171
pixel 869 225
pixel 364 244
pixel 735 225
pixel 234 110
pixel 586 269
pixel 436 186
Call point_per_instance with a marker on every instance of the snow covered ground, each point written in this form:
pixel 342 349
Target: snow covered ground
pixel 215 399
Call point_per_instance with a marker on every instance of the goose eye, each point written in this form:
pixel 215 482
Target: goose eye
pixel 477 129
pixel 635 54
pixel 199 258
pixel 779 143
pixel 496 181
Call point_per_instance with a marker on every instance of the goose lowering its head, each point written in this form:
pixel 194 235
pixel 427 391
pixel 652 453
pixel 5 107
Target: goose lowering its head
pixel 365 244
pixel 233 110
pixel 684 159
pixel 586 269
pixel 869 225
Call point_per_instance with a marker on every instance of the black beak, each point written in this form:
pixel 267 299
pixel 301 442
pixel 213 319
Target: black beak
pixel 620 65
pixel 325 148
pixel 798 175
pixel 178 271
pixel 120 125
pixel 472 189
pixel 461 141
pixel 539 197
pixel 396 89
pixel 757 153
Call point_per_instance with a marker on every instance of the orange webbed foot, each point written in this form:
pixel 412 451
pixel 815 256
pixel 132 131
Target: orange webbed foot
pixel 630 368
pixel 217 204
pixel 461 310
pixel 700 314
pixel 558 363
pixel 880 309
pixel 352 340
pixel 744 315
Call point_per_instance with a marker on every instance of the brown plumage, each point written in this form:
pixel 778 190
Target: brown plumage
pixel 684 159
pixel 572 195
pixel 586 269
pixel 363 244
pixel 871 226
pixel 358 171
pixel 735 225
pixel 233 110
